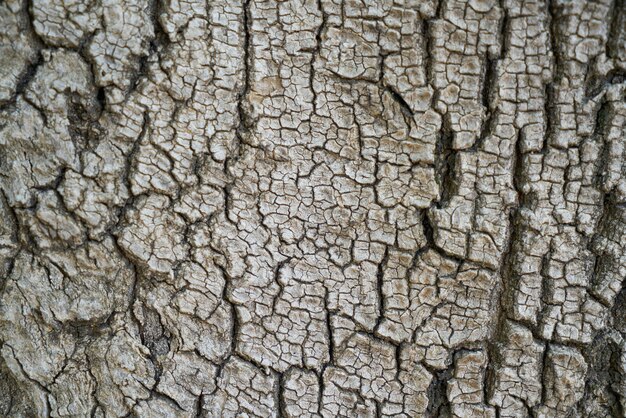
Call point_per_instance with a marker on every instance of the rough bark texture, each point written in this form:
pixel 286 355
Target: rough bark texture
pixel 313 208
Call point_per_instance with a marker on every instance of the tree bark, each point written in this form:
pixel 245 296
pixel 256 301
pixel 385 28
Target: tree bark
pixel 313 208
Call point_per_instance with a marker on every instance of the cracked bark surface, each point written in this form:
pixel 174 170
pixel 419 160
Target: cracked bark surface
pixel 313 208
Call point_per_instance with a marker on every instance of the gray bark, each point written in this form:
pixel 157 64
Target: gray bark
pixel 312 208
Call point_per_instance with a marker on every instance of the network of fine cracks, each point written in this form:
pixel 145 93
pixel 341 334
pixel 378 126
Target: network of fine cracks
pixel 312 208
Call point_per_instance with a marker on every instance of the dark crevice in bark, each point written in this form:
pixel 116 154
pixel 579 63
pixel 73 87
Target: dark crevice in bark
pixel 490 84
pixel 602 385
pixel 13 399
pixel 597 83
pixel 429 232
pixel 438 404
pixel 377 409
pixel 445 155
pixel 380 283
pixel 24 81
pixel 315 53
pixel 30 19
pixel 404 106
pixel 280 391
pixel 101 98
pixel 607 208
pixel 445 163
pixel 84 126
pixel 154 335
pixel 331 350
pixel 427 52
pixel 234 330
pixel 245 121
pixel 550 110
pixel 198 410
pixel 489 88
pixel 277 280
pixel 616 42
pixel 130 165
pixel 35 382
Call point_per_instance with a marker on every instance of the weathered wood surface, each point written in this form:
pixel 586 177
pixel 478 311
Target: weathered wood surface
pixel 312 208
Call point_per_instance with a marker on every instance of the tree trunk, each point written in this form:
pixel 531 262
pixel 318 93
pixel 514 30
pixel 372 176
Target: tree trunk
pixel 313 208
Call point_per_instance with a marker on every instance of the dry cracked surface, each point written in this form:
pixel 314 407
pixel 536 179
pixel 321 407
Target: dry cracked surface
pixel 313 208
